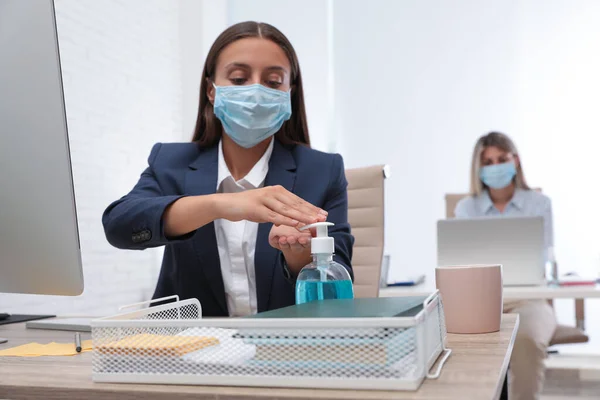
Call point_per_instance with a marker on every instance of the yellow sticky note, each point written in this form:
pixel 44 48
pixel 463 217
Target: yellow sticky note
pixel 50 349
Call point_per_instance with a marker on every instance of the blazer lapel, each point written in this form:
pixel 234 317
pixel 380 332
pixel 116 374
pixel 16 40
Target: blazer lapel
pixel 201 179
pixel 282 167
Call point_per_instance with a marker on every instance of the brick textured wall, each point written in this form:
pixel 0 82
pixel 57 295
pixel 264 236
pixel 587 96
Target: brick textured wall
pixel 122 79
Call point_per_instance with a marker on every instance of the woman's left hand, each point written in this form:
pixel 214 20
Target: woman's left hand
pixel 294 244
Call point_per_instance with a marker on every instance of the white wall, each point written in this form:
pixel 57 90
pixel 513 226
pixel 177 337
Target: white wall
pixel 122 79
pixel 416 84
pixel 558 110
pixel 191 61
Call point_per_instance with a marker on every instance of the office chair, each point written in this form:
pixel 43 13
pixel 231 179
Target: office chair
pixel 365 215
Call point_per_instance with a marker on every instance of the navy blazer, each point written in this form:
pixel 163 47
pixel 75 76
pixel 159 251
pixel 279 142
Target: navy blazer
pixel 191 266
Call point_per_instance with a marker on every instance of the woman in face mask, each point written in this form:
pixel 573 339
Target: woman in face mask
pixel 499 189
pixel 227 205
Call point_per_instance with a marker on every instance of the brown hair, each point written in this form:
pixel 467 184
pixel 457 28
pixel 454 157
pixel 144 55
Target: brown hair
pixel 503 142
pixel 208 127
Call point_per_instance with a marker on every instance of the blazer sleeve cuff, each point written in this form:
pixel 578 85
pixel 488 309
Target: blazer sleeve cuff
pixel 159 229
pixel 287 274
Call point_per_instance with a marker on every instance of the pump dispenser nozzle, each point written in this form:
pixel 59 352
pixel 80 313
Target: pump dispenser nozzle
pixel 322 243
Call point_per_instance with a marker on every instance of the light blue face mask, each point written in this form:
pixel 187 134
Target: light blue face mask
pixel 498 176
pixel 252 113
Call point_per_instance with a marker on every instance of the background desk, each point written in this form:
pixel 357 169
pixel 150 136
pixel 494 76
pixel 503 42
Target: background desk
pixel 475 370
pixel 578 293
pixel 510 292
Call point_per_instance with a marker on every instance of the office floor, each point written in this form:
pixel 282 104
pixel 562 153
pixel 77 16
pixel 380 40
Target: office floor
pixel 574 373
pixel 567 384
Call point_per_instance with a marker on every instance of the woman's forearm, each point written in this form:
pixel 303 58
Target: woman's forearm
pixel 190 213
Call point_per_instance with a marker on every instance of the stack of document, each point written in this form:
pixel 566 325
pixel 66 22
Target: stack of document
pixel 383 348
pixel 334 348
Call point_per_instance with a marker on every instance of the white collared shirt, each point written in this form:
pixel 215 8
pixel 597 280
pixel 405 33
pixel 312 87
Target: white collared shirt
pixel 236 241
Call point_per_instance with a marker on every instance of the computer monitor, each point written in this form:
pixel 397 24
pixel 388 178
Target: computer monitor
pixel 39 239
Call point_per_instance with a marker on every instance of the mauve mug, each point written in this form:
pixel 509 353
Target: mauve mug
pixel 472 297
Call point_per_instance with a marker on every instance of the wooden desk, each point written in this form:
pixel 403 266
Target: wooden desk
pixel 545 292
pixel 475 370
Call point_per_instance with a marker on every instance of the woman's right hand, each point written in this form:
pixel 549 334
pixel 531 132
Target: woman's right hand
pixel 269 204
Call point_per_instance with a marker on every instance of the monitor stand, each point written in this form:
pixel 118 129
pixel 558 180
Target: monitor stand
pixel 14 318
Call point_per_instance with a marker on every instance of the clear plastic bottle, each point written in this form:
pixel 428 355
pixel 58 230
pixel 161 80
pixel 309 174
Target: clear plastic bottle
pixel 323 278
pixel 551 267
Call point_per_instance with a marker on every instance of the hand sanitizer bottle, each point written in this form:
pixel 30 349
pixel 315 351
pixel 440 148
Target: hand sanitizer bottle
pixel 323 278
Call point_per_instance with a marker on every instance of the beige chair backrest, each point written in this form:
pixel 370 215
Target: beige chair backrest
pixel 451 202
pixel 365 215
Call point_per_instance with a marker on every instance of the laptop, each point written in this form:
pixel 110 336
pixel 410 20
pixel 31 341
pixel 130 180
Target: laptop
pixel 516 243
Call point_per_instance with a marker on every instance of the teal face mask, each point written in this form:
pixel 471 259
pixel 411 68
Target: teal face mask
pixel 251 114
pixel 498 176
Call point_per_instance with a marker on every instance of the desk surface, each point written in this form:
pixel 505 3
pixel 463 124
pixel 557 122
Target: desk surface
pixel 510 292
pixel 475 370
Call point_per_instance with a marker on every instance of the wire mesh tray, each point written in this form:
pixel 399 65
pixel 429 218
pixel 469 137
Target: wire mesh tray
pixel 172 344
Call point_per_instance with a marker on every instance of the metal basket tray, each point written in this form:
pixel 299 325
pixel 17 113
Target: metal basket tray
pixel 172 344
